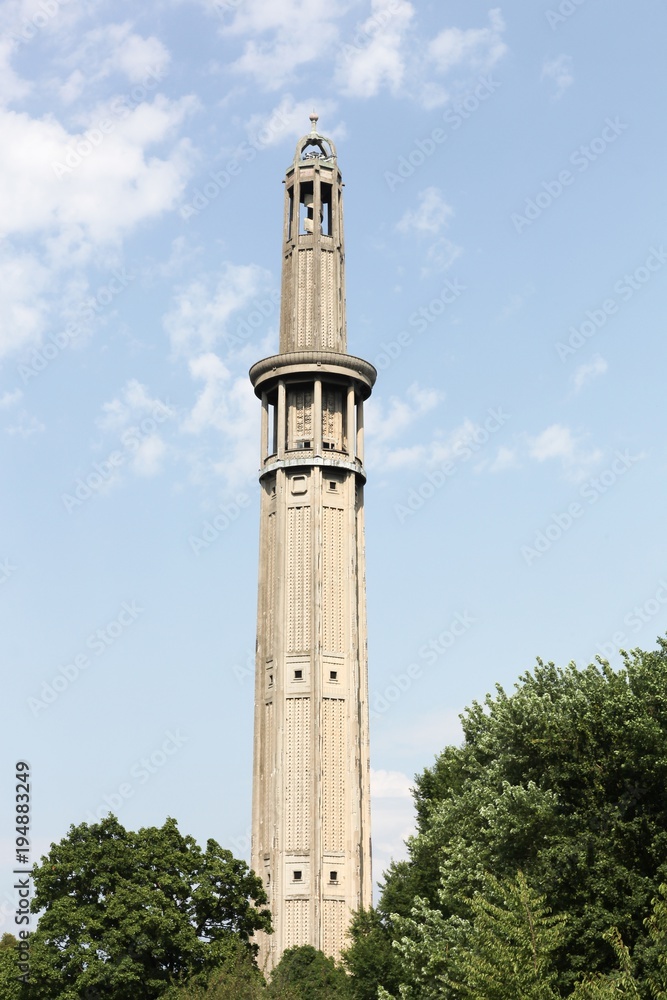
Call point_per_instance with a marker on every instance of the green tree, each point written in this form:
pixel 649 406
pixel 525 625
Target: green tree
pixel 310 974
pixel 10 988
pixel 564 780
pixel 634 979
pixel 239 979
pixel 504 950
pixel 371 959
pixel 125 914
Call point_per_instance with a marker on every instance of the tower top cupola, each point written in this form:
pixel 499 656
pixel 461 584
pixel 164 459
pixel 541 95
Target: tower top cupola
pixel 315 146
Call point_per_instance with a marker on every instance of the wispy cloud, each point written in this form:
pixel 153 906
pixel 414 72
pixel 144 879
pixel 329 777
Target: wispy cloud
pixel 559 442
pixel 558 72
pixel 477 48
pixel 587 372
pixel 376 54
pixel 385 423
pixel 431 215
pixel 202 312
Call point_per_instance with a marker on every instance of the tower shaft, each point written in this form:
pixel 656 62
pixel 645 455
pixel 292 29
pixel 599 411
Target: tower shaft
pixel 311 794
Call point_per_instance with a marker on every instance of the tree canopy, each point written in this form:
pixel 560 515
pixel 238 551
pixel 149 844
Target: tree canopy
pixel 564 780
pixel 310 974
pixel 125 914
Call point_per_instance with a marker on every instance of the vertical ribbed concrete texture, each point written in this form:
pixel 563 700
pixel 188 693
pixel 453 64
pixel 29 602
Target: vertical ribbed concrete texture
pixel 311 839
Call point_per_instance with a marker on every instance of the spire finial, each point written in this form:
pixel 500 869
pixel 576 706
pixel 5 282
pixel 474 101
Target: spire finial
pixel 314 118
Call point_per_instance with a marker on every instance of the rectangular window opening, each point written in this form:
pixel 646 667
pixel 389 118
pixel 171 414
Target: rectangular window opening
pixel 325 190
pixel 333 675
pixel 298 876
pixel 291 213
pixel 298 675
pixel 306 207
pixel 333 876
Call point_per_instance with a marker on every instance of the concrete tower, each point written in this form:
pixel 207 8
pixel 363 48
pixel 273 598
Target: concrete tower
pixel 311 796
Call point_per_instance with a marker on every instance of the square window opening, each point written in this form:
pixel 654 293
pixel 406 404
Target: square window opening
pixel 298 675
pixel 333 876
pixel 298 876
pixel 333 675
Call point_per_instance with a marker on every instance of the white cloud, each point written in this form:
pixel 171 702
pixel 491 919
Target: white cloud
pixel 8 399
pixel 506 458
pixel 587 372
pixel 476 48
pixel 558 72
pixel 148 458
pixel 138 422
pixel 133 403
pixel 202 313
pixel 440 256
pixel 290 117
pixel 384 424
pixel 12 87
pixel 55 181
pixel 26 426
pixel 115 48
pixel 229 407
pixel 23 307
pixel 558 442
pixel 284 36
pixel 426 735
pixel 391 785
pixel 375 57
pixel 431 216
pixel 393 816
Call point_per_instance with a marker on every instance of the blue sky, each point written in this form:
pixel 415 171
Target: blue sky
pixel 505 219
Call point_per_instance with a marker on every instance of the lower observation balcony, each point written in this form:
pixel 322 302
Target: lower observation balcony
pixel 313 409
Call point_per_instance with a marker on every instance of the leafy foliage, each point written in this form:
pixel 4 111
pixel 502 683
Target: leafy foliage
pixel 311 975
pixel 503 950
pixel 563 780
pixel 125 914
pixel 371 959
pixel 10 988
